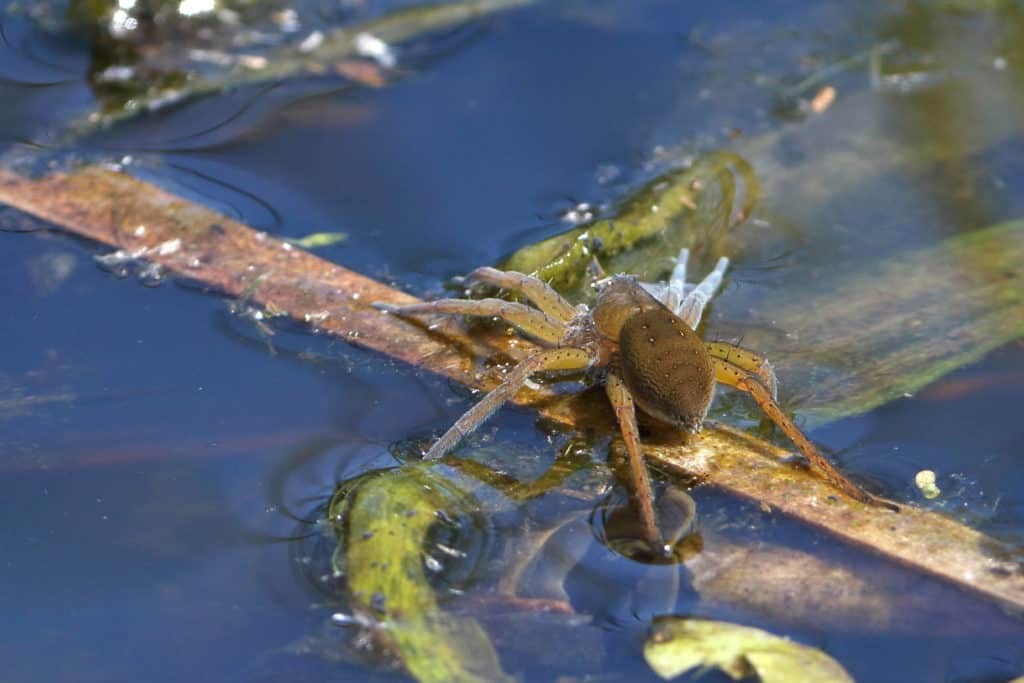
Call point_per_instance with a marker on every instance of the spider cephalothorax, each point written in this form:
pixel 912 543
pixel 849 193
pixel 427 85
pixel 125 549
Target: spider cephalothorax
pixel 641 339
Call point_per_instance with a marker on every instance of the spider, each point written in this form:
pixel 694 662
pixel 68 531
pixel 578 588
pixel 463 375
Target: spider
pixel 639 339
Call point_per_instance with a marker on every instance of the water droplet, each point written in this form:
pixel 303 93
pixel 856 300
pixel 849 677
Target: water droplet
pixel 343 620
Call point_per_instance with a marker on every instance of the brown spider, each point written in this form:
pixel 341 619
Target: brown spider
pixel 641 340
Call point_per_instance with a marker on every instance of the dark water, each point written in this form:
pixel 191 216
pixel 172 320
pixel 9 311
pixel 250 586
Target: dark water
pixel 159 451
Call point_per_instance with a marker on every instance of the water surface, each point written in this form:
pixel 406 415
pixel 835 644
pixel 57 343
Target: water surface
pixel 160 451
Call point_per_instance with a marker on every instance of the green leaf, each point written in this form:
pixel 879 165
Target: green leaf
pixel 317 239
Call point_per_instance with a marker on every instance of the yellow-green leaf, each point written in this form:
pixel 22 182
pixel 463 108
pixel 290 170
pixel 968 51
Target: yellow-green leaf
pixel 394 511
pixel 677 645
pixel 318 239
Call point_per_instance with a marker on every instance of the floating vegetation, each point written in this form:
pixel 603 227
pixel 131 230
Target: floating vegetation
pixel 691 207
pixel 317 240
pixel 677 645
pixel 385 522
pixel 925 483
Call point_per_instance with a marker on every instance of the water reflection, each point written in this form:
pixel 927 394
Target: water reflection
pixel 616 526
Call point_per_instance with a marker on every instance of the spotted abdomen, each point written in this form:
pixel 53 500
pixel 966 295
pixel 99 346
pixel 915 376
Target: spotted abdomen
pixel 666 368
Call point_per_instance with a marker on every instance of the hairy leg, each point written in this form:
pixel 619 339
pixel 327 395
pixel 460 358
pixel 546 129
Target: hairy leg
pixel 735 376
pixel 549 359
pixel 747 360
pixel 531 321
pixel 675 288
pixel 543 297
pixel 691 308
pixel 622 402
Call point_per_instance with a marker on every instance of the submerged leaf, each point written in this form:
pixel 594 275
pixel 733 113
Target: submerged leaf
pixel 678 644
pixel 383 522
pixel 891 328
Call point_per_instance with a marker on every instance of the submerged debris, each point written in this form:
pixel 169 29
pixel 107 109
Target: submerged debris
pixel 151 55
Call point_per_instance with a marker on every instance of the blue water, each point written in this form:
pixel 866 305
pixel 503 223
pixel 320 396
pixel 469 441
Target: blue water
pixel 151 488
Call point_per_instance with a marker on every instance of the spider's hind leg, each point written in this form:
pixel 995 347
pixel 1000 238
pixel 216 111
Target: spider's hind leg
pixel 735 376
pixel 748 360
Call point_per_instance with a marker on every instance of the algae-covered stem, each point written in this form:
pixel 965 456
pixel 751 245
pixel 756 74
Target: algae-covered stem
pixel 391 513
pixel 647 228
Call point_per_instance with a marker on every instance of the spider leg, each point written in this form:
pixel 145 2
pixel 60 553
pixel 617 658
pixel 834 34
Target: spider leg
pixel 692 306
pixel 749 361
pixel 539 292
pixel 531 321
pixel 736 376
pixel 622 402
pixel 675 290
pixel 549 359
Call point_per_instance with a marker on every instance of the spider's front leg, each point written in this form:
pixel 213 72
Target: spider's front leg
pixel 732 374
pixel 625 412
pixel 535 323
pixel 540 293
pixel 543 361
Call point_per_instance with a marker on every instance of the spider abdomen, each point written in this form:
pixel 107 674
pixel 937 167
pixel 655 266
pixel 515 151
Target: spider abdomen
pixel 666 368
